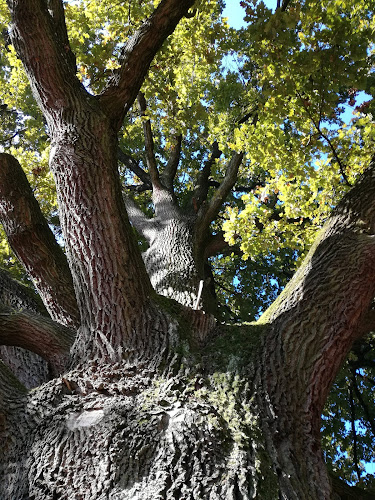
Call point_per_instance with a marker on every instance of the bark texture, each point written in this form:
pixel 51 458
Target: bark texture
pixel 157 401
pixel 29 368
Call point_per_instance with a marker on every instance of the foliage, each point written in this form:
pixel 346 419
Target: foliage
pixel 348 419
pixel 278 89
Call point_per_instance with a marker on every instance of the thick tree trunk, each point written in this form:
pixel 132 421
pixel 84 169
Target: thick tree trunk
pixel 153 408
pixel 158 403
pixel 170 259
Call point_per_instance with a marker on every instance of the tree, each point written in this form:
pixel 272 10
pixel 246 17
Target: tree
pixel 149 397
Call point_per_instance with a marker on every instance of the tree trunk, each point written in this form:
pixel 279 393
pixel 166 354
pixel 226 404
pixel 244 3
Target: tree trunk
pixel 157 402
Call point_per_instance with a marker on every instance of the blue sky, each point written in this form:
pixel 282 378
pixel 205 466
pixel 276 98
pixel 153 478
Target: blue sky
pixel 234 12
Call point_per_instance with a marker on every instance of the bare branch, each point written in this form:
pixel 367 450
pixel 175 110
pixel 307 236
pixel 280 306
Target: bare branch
pixel 316 124
pixel 208 213
pixel 130 163
pixel 38 334
pixel 149 142
pixel 170 170
pixel 136 57
pixel 34 243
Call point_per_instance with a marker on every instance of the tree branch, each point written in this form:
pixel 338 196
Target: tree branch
pixel 18 296
pixel 346 492
pixel 40 38
pixel 56 10
pixel 149 142
pixel 202 185
pixel 341 261
pixel 328 140
pixel 130 163
pixel 208 213
pixel 136 57
pixel 34 243
pixel 217 244
pixel 170 170
pixel 36 333
pixel 142 224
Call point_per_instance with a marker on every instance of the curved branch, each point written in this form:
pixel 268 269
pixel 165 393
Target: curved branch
pixel 149 142
pixel 136 57
pixel 37 334
pixel 319 314
pixel 208 213
pixel 34 243
pixel 169 173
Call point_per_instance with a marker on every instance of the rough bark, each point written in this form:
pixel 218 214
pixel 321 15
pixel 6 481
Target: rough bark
pixel 34 243
pixel 169 260
pixel 158 403
pixel 28 367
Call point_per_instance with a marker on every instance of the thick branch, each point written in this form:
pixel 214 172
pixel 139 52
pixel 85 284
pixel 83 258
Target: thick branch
pixel 136 57
pixel 149 142
pixel 346 492
pixel 40 39
pixel 56 10
pixel 170 170
pixel 208 213
pixel 320 312
pixel 36 333
pixel 142 224
pixel 34 243
pixel 130 163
